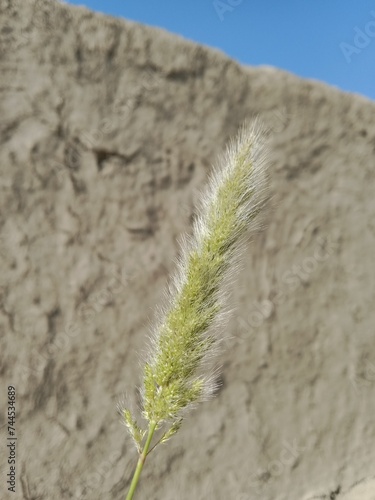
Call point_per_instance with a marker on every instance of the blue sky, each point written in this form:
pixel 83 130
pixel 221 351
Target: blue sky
pixel 328 40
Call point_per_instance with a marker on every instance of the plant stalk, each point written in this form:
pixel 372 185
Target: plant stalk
pixel 141 462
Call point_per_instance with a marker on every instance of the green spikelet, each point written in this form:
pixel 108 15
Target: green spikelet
pixel 173 378
pixel 177 373
pixel 135 431
pixel 171 431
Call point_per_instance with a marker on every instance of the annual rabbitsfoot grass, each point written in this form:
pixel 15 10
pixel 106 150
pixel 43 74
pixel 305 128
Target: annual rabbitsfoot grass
pixel 178 372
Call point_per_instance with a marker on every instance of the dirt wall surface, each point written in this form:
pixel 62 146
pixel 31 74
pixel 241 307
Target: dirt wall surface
pixel 108 131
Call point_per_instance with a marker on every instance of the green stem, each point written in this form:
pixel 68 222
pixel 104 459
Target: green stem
pixel 141 461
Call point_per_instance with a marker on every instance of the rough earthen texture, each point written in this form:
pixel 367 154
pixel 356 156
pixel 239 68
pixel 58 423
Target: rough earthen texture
pixel 108 129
